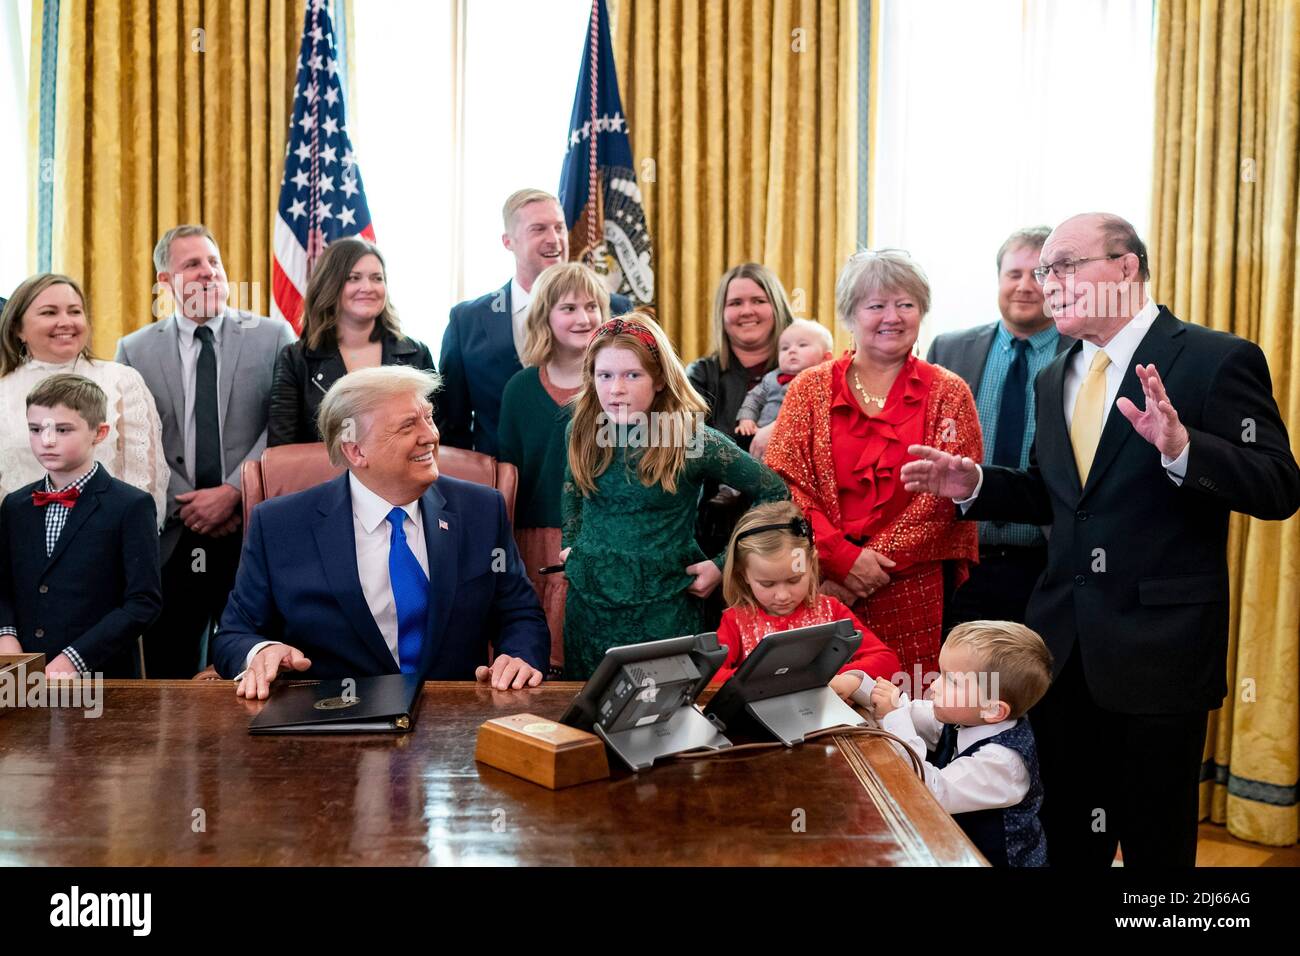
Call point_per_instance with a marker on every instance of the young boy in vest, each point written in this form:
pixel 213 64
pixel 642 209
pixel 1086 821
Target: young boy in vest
pixel 981 764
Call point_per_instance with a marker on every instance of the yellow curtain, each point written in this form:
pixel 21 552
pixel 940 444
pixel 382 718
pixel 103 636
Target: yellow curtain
pixel 168 111
pixel 1225 237
pixel 743 116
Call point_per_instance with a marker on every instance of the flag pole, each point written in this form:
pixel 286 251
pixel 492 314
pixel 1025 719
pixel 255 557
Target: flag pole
pixel 592 172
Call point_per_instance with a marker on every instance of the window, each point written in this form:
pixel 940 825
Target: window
pixel 15 62
pixel 437 221
pixel 1001 114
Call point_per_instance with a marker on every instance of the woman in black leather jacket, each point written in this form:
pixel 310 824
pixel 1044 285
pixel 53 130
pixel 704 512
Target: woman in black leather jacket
pixel 348 323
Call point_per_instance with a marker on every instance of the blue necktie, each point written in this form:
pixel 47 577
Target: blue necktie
pixel 1010 436
pixel 410 594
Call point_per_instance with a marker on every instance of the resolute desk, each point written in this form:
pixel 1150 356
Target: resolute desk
pixel 169 775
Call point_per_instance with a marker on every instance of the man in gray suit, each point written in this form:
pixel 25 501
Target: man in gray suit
pixel 209 368
pixel 1000 361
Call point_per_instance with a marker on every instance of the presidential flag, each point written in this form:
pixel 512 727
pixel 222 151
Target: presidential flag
pixel 321 196
pixel 598 184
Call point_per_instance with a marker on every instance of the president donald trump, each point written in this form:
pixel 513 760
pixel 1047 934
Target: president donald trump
pixel 388 568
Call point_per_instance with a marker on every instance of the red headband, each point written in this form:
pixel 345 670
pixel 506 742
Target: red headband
pixel 634 329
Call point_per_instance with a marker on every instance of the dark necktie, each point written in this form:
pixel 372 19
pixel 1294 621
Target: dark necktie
pixel 946 749
pixel 207 424
pixel 1011 412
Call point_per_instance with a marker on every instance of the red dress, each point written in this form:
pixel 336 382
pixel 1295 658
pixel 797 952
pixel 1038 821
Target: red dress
pixel 742 628
pixel 843 470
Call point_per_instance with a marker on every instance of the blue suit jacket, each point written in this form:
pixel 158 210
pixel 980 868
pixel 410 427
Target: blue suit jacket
pixel 478 358
pixel 298 583
pixel 98 590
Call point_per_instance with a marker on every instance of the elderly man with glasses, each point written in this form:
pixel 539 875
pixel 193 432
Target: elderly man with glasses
pixel 1150 433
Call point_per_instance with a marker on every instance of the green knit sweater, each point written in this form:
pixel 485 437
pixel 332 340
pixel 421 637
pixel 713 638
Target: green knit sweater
pixel 531 437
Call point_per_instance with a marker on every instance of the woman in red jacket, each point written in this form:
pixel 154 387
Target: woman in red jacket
pixel 840 441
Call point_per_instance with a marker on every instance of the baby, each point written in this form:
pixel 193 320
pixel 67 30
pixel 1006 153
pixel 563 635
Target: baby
pixel 804 344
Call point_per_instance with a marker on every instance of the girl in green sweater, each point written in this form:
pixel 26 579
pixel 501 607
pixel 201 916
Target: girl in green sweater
pixel 639 454
pixel 568 303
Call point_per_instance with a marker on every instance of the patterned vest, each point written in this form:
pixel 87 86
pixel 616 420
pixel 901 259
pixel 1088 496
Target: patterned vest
pixel 1009 836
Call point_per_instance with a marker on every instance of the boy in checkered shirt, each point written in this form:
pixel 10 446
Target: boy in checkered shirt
pixel 79 565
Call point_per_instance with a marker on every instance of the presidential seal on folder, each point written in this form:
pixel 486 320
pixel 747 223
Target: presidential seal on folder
pixel 361 705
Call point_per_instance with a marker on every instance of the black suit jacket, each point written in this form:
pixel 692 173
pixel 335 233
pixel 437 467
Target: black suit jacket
pixel 478 358
pixel 98 590
pixel 303 376
pixel 1137 571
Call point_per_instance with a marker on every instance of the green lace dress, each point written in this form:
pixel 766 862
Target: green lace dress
pixel 632 545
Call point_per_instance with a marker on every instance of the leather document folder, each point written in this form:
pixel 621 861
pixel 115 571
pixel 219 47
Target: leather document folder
pixel 361 705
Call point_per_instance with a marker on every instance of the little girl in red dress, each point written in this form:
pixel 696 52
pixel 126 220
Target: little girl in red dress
pixel 770 585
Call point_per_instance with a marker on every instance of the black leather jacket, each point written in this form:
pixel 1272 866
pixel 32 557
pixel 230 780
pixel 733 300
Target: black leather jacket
pixel 303 376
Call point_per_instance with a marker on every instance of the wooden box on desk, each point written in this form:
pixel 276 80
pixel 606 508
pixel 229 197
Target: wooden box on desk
pixel 541 750
pixel 14 674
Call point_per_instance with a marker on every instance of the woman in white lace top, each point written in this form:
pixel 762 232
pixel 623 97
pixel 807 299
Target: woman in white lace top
pixel 45 329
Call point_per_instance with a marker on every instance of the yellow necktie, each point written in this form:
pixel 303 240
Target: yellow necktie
pixel 1089 413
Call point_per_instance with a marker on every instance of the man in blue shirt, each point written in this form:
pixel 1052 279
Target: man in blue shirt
pixel 999 362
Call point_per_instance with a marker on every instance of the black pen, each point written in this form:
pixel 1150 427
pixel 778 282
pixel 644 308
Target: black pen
pixel 551 569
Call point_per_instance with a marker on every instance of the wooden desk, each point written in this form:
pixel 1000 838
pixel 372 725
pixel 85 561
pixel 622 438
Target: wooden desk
pixel 126 789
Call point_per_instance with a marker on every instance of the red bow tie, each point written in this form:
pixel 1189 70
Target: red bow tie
pixel 67 497
pixel 783 378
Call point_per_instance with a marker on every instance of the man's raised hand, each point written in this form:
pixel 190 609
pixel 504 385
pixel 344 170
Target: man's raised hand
pixel 936 472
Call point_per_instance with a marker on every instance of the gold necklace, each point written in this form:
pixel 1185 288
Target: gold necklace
pixel 867 397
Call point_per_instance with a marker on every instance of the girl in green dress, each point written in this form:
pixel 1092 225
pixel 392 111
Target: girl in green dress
pixel 639 455
pixel 569 303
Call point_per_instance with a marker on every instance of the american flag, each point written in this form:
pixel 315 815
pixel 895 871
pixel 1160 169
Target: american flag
pixel 598 184
pixel 321 196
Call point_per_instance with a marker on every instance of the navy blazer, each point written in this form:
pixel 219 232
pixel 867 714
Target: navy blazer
pixel 298 583
pixel 1137 568
pixel 101 586
pixel 478 358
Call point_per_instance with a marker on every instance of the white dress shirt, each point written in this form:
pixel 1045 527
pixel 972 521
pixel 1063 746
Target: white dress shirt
pixel 1120 350
pixel 373 535
pixel 993 777
pixel 189 349
pixel 520 300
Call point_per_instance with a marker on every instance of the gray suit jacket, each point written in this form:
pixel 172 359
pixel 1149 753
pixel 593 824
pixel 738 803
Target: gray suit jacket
pixel 966 352
pixel 249 346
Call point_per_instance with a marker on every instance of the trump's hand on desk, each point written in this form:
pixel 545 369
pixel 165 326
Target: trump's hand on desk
pixel 509 673
pixel 266 666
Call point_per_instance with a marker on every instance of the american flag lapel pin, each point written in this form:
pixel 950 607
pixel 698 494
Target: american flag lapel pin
pixel 442 525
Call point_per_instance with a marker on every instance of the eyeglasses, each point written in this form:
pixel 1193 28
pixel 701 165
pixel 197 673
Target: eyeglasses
pixel 1065 267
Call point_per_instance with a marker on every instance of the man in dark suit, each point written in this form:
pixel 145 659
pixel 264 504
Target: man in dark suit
pixel 485 337
pixel 210 370
pixel 1150 433
pixel 79 570
pixel 387 568
pixel 999 362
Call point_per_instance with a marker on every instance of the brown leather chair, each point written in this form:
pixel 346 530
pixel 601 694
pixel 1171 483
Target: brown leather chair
pixel 285 469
